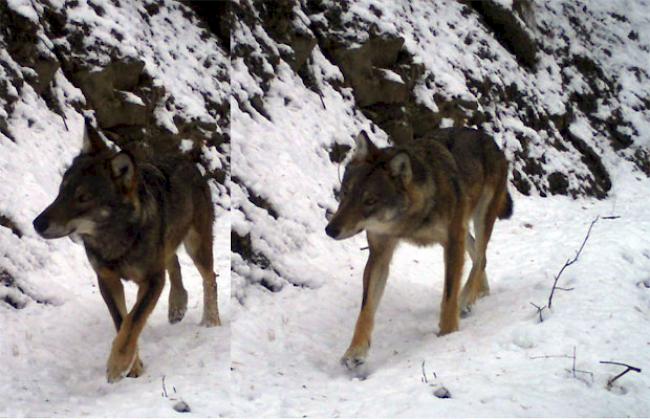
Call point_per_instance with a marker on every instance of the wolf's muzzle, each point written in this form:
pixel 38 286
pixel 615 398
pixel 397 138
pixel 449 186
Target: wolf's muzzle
pixel 41 224
pixel 332 231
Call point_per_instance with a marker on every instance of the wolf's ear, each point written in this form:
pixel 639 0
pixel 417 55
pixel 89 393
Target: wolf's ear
pixel 400 166
pixel 123 171
pixel 364 147
pixel 92 141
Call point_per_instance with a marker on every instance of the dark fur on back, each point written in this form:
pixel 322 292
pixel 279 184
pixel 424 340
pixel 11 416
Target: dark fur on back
pixel 157 212
pixel 479 159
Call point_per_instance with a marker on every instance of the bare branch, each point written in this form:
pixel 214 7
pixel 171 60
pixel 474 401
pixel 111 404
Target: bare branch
pixel 628 368
pixel 539 311
pixel 550 356
pixel 574 370
pixel 164 393
pixel 424 374
pixel 569 263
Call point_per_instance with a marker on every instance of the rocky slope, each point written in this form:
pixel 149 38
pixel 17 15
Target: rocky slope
pixel 562 85
pixel 152 73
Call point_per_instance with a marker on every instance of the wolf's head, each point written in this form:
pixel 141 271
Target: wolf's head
pixel 99 186
pixel 374 191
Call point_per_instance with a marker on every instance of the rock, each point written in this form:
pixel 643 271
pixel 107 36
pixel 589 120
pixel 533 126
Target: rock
pixel 365 68
pixel 27 49
pixel 105 91
pixel 509 29
pixel 7 222
pixel 442 393
pixel 302 45
pixel 558 183
pixel 182 407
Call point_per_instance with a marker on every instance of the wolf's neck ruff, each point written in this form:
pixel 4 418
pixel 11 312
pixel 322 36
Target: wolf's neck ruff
pixel 109 247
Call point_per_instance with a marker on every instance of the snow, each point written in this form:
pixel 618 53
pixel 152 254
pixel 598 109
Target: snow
pixel 287 365
pixel 391 75
pixel 131 97
pixel 56 355
pixel 277 353
pixel 503 362
pixel 54 349
pixel 24 8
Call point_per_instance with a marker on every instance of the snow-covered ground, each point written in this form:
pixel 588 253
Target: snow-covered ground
pixel 286 345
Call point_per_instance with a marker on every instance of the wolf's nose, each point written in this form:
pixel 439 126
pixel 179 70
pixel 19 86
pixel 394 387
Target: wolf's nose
pixel 332 231
pixel 41 224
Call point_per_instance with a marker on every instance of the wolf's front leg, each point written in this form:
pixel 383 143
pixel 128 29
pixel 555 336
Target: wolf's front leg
pixel 374 281
pixel 110 286
pixel 124 354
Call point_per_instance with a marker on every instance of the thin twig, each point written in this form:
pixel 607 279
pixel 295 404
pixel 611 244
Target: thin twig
pixel 628 368
pixel 574 362
pixel 365 248
pixel 320 94
pixel 611 217
pixel 164 388
pixel 65 123
pixel 424 374
pixel 539 311
pixel 550 356
pixel 569 263
pixel 574 370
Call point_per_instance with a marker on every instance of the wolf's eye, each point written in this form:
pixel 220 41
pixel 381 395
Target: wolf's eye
pixel 84 197
pixel 370 201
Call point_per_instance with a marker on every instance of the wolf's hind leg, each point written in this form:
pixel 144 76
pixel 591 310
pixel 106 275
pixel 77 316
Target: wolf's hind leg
pixel 483 286
pixel 199 246
pixel 177 293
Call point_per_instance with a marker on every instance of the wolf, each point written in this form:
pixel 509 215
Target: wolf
pixel 423 192
pixel 132 214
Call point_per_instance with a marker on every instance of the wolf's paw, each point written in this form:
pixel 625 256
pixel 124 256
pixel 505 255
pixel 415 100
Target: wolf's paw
pixel 352 363
pixel 177 306
pixel 210 322
pixel 120 363
pixel 137 369
pixel 467 300
pixel 465 311
pixel 176 314
pixel 354 358
pixel 210 318
pixel 448 327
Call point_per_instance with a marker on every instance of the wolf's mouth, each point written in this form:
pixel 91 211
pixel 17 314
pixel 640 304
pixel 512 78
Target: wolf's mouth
pixel 49 230
pixel 54 232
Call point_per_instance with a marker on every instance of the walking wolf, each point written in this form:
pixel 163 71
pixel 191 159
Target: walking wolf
pixel 423 192
pixel 132 214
